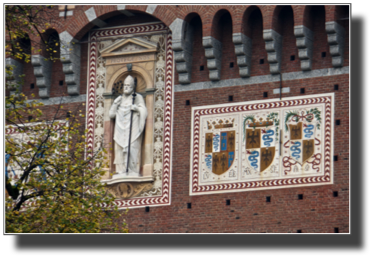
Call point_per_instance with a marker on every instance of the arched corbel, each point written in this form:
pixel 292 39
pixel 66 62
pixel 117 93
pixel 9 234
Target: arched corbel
pixel 336 39
pixel 70 51
pixel 243 51
pixel 182 40
pixel 273 46
pixel 213 54
pixel 42 71
pixel 14 77
pixel 305 44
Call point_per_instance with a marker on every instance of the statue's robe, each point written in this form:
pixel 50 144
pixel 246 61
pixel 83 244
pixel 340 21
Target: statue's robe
pixel 122 133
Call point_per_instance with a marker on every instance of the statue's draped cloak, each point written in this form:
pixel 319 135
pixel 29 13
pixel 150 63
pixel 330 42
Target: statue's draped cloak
pixel 122 123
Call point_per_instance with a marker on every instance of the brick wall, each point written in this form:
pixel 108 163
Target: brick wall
pixel 318 212
pixel 199 58
pixel 28 80
pixel 320 39
pixel 289 48
pixel 258 45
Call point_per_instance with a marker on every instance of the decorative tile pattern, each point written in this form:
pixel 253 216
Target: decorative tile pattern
pixel 262 145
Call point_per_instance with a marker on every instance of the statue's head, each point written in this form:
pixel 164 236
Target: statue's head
pixel 128 85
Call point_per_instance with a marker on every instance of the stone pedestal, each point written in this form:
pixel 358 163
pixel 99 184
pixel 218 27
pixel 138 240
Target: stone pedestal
pixel 119 178
pixel 123 186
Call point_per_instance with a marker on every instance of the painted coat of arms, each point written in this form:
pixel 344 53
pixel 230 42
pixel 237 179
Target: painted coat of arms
pixel 260 145
pixel 302 141
pixel 220 140
pixel 264 144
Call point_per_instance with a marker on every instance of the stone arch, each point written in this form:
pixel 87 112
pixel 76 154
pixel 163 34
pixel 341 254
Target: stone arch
pixel 199 69
pixel 16 62
pixel 49 36
pixel 276 20
pixel 246 28
pixel 337 28
pixel 249 45
pixel 343 19
pixel 238 16
pixel 87 18
pixel 215 31
pixel 273 38
pixel 44 63
pixel 312 39
pixel 330 13
pixel 183 46
pixel 30 82
pixel 209 18
pixel 162 12
pixel 267 11
pixel 299 14
pixel 137 71
pixel 281 36
pixel 290 60
pixel 217 45
pixel 26 44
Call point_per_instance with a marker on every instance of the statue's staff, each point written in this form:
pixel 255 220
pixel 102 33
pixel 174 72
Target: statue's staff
pixel 131 125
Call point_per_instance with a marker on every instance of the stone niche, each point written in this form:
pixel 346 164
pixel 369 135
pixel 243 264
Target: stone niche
pixel 141 54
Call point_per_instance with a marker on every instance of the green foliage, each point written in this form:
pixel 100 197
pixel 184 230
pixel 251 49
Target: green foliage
pixel 316 113
pixel 288 116
pixel 56 188
pixel 23 21
pixel 52 186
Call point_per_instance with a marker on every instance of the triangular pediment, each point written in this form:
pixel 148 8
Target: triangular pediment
pixel 129 46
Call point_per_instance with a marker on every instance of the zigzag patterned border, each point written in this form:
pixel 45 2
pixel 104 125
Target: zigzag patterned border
pixel 326 179
pixel 164 199
pixel 91 94
pixel 136 29
pixel 13 130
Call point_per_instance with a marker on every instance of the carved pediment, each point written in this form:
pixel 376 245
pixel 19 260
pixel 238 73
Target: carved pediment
pixel 130 46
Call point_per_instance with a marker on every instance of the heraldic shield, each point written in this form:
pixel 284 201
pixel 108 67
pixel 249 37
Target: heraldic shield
pixel 302 144
pixel 260 144
pixel 220 151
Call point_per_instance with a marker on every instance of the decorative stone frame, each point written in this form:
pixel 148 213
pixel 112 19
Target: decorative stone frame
pixel 100 129
pixel 238 184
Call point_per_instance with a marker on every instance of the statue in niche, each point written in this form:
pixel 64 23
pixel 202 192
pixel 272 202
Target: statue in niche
pixel 122 109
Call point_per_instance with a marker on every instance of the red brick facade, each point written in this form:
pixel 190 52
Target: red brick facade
pixel 320 211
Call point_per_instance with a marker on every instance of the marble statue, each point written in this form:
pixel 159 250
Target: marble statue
pixel 121 111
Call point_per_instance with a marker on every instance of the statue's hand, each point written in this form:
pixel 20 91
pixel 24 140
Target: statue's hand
pixel 134 108
pixel 118 100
